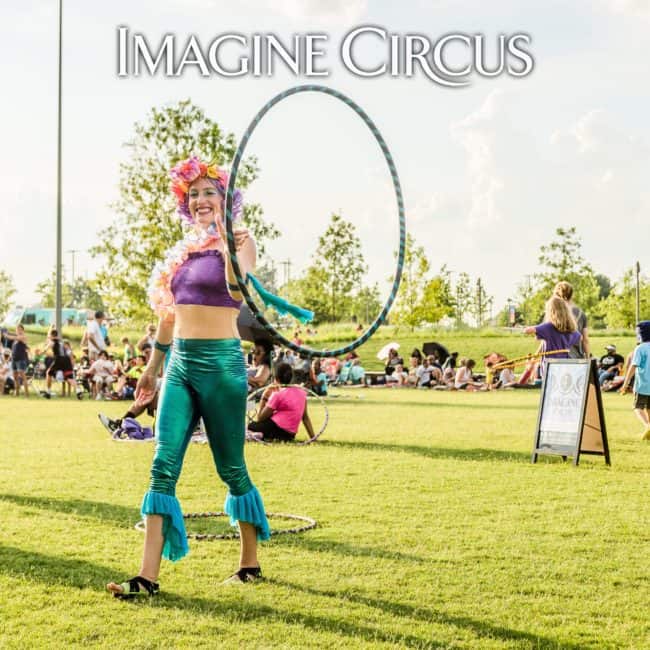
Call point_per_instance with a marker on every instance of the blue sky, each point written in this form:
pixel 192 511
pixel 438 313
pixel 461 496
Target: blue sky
pixel 488 171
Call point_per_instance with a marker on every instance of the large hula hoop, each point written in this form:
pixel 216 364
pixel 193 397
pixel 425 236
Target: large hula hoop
pixel 310 393
pixel 309 352
pixel 308 524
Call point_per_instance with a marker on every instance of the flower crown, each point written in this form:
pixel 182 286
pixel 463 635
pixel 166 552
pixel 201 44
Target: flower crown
pixel 187 171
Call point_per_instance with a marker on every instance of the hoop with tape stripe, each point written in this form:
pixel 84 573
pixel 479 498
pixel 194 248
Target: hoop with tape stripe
pixel 372 328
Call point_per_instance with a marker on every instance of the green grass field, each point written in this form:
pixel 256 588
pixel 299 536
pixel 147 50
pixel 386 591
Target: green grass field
pixel 434 531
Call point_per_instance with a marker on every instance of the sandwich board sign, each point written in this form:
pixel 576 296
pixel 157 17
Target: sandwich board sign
pixel 571 420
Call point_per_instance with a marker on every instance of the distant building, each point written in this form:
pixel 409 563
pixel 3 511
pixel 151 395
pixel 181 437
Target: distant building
pixel 43 316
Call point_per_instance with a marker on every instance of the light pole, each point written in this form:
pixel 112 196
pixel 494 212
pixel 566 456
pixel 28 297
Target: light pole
pixel 59 261
pixel 73 252
pixel 638 292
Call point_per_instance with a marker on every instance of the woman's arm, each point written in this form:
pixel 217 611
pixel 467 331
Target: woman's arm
pixel 306 420
pixel 586 345
pixel 531 329
pixel 246 257
pixel 261 377
pixel 265 414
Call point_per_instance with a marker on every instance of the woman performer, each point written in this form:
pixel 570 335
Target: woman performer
pixel 197 299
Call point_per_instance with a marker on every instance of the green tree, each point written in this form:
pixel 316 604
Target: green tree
pixel 525 302
pixel 83 294
pixel 307 291
pixel 411 288
pixel 480 303
pixel 7 292
pixel 462 298
pixel 436 301
pixel 604 286
pixel 562 260
pixel 341 265
pixel 366 304
pixel 619 309
pixel 146 224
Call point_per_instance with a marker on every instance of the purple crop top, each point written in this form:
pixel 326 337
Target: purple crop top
pixel 201 280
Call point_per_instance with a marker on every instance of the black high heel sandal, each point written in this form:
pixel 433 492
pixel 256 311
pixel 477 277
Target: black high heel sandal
pixel 245 574
pixel 137 586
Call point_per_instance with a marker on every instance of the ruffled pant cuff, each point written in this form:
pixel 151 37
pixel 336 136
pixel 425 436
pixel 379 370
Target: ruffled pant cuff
pixel 248 508
pixel 175 537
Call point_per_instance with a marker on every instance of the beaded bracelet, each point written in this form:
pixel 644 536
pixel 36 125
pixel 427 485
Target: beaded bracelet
pixel 163 347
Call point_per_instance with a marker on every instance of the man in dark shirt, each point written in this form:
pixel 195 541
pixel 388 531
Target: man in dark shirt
pixel 610 365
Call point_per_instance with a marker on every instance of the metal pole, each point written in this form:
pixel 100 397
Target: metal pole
pixel 59 261
pixel 638 293
pixel 73 252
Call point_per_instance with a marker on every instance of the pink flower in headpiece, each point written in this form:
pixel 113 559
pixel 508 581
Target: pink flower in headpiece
pixel 187 171
pixel 179 189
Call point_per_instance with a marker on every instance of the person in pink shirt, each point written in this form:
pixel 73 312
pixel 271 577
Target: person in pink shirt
pixel 281 409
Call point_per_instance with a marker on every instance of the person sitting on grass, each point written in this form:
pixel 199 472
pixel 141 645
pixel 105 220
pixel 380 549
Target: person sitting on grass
pixel 465 377
pixel 128 380
pixel 318 379
pixel 400 376
pixel 436 368
pixel 357 372
pixel 6 374
pixel 331 366
pixel 507 377
pixel 610 365
pixel 424 374
pixel 615 384
pixel 414 364
pixel 393 360
pixel 281 410
pixel 102 374
pixel 450 362
pixel 260 372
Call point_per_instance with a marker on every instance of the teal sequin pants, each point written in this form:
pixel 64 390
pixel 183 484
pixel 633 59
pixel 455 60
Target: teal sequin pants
pixel 205 378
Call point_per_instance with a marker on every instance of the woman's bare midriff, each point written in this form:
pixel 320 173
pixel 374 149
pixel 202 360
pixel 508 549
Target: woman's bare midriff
pixel 201 322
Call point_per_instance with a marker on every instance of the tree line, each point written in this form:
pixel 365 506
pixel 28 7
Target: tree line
pixel 333 284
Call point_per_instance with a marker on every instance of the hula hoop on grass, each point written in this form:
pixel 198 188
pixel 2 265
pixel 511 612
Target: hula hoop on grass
pixel 241 281
pixel 310 393
pixel 308 521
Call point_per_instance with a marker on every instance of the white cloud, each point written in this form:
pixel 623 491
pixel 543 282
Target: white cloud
pixel 628 7
pixel 602 145
pixel 478 134
pixel 326 12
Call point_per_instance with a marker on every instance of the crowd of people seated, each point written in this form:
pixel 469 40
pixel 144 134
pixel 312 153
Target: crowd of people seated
pixel 97 372
pixel 104 374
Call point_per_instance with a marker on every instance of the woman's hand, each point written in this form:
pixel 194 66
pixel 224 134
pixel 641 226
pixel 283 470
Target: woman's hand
pixel 240 234
pixel 145 388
